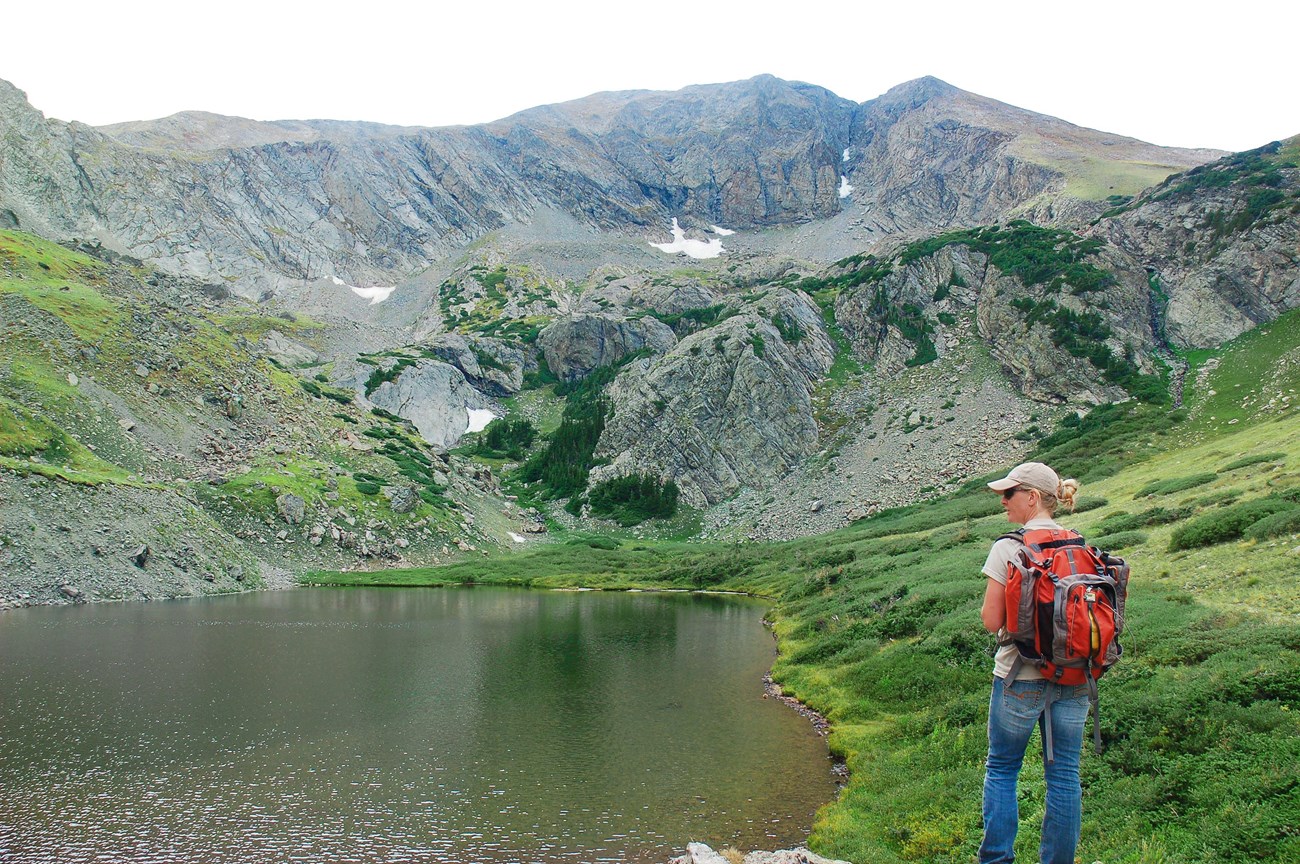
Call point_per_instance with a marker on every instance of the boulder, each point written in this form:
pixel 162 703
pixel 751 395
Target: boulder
pixel 402 499
pixel 291 508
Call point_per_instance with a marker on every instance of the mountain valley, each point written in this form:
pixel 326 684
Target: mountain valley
pixel 280 334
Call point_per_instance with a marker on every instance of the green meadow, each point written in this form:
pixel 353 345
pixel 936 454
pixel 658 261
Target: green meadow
pixel 878 629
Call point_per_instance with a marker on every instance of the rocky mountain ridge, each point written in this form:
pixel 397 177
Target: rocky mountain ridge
pixel 265 207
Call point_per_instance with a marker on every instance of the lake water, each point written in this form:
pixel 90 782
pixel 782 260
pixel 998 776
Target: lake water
pixel 388 725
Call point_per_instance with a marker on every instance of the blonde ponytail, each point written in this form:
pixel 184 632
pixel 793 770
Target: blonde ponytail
pixel 1066 492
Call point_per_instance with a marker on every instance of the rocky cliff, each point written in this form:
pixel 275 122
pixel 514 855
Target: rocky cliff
pixel 729 406
pixel 1221 244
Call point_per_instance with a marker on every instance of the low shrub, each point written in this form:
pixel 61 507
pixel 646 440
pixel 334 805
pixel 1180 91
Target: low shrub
pixel 1230 523
pixel 1089 502
pixel 1176 484
pixel 1252 460
pixel 1117 522
pixel 606 543
pixel 814 558
pixel 1277 525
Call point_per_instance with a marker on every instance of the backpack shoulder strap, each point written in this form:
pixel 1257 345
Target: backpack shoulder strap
pixel 1048 539
pixel 1018 535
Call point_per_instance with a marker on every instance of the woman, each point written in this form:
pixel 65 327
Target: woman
pixel 1031 494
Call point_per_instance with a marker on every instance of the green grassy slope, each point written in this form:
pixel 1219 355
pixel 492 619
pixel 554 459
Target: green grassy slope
pixel 87 343
pixel 879 630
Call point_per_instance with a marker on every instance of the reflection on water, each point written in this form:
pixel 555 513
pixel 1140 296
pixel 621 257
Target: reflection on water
pixel 456 725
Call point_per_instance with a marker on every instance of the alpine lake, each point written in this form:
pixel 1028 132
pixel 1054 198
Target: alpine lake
pixel 398 725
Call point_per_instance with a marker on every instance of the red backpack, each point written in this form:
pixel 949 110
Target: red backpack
pixel 1065 610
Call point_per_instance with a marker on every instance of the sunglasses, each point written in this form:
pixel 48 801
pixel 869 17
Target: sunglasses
pixel 1008 494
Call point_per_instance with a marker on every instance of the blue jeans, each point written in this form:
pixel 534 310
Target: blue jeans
pixel 1014 710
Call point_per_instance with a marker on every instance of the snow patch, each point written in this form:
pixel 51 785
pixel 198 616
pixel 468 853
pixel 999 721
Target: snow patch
pixel 478 419
pixel 377 294
pixel 518 538
pixel 693 248
pixel 845 188
pixel 721 232
pixel 848 152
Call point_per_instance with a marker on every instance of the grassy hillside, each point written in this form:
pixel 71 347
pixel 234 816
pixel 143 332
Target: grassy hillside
pixel 879 630
pixel 116 377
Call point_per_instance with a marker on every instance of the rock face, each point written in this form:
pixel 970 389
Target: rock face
pixel 576 345
pixel 435 397
pixel 264 206
pixel 491 365
pixel 1221 244
pixel 725 408
pixel 286 351
pixel 942 292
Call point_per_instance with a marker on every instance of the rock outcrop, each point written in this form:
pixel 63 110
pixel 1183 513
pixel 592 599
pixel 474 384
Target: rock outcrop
pixel 913 313
pixel 435 397
pixel 575 345
pixel 491 365
pixel 1221 245
pixel 286 351
pixel 727 407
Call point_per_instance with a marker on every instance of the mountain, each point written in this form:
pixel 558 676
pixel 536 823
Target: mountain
pixel 266 206
pixel 268 341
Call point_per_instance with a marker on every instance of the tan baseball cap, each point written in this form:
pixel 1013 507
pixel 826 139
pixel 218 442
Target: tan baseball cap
pixel 1032 475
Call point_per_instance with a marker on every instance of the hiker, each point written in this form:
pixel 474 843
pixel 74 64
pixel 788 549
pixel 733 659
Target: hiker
pixel 1031 494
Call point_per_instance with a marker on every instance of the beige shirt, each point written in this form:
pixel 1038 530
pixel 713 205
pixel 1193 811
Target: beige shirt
pixel 995 567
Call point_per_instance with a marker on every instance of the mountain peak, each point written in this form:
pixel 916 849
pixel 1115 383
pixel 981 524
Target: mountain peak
pixel 915 93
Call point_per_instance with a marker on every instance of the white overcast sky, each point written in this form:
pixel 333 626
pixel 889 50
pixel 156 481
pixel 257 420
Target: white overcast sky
pixel 1173 73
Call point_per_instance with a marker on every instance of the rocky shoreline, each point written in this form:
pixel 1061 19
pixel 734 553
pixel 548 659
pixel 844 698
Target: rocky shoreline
pixel 698 853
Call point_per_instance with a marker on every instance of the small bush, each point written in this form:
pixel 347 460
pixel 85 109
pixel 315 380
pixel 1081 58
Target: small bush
pixel 1177 484
pixel 1214 499
pixel 606 543
pixel 1089 502
pixel 365 487
pixel 1252 460
pixel 1277 525
pixel 1230 523
pixel 812 559
pixel 1123 540
pixel 1117 522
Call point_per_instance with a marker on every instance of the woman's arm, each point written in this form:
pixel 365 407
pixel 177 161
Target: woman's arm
pixel 994 611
